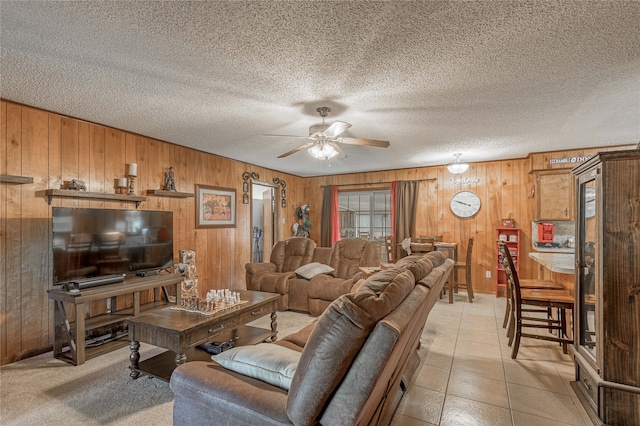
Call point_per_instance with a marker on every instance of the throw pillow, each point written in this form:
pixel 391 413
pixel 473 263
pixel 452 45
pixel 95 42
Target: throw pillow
pixel 310 270
pixel 273 364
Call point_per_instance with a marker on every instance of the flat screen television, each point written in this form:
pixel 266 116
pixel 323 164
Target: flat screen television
pixel 94 243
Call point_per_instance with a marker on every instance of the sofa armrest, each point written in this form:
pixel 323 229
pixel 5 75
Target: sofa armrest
pixel 206 392
pixel 254 268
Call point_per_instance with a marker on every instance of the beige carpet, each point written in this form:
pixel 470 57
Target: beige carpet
pixel 43 390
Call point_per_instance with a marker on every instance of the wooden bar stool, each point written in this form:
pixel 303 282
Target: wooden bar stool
pixel 525 302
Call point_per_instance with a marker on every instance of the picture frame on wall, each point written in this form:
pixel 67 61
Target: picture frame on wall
pixel 215 207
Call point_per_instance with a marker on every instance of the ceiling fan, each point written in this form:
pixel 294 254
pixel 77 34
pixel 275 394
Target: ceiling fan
pixel 325 138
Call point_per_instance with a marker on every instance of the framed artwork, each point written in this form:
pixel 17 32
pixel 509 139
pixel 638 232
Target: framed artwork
pixel 215 207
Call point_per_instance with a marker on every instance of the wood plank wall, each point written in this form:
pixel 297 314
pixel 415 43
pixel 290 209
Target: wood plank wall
pixel 53 149
pixel 505 189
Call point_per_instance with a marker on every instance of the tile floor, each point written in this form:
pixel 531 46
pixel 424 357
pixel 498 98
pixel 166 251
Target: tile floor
pixel 467 376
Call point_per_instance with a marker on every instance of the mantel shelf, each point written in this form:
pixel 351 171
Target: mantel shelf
pixel 50 193
pixel 16 179
pixel 174 194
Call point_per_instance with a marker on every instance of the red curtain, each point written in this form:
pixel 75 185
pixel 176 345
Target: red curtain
pixel 335 216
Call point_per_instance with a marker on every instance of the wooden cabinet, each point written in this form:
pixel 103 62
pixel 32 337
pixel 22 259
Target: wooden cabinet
pixel 607 287
pixel 511 236
pixel 554 195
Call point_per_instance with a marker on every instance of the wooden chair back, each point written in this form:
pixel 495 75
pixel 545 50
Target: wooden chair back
pixel 388 247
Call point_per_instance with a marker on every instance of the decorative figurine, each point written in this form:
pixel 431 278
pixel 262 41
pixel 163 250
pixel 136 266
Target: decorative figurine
pixel 169 180
pixel 77 185
pixel 303 227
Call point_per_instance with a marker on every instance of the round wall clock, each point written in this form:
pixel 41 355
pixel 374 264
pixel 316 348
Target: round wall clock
pixel 465 204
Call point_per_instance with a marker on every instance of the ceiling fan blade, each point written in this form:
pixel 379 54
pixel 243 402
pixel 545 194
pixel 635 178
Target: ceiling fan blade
pixel 336 128
pixel 300 148
pixel 365 142
pixel 285 136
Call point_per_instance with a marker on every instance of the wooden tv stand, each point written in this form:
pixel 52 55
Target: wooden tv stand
pixel 72 334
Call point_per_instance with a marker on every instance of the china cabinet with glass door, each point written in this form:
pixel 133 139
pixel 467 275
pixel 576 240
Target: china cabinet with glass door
pixel 607 308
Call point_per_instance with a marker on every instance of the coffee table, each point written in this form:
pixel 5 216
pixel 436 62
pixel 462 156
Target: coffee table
pixel 181 331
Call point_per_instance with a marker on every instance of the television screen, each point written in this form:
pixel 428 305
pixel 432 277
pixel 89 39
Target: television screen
pixel 90 243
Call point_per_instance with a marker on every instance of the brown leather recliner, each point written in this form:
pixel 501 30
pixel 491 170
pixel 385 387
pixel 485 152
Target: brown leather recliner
pixel 274 276
pixel 348 255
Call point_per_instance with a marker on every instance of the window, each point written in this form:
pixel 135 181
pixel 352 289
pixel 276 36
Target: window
pixel 365 214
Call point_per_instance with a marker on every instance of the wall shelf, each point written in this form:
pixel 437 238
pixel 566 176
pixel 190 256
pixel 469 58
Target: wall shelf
pixel 16 179
pixel 174 194
pixel 50 193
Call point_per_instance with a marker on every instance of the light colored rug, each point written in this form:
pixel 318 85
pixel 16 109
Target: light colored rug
pixel 43 390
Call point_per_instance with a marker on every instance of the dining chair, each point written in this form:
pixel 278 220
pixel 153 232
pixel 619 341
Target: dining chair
pixel 436 238
pixel 422 244
pixel 388 244
pixel 454 282
pixel 527 284
pixel 527 302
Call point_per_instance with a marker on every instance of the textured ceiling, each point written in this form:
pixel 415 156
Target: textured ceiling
pixel 490 79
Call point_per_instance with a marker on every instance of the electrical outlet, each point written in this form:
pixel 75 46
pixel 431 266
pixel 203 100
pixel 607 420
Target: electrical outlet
pixel 488 274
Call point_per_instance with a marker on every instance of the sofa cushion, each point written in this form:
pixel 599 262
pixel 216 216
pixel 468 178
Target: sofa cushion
pixel 337 338
pixel 292 253
pixel 436 257
pixel 312 269
pixel 274 364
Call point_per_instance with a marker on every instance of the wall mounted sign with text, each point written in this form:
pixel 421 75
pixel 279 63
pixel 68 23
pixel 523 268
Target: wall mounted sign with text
pixel 569 160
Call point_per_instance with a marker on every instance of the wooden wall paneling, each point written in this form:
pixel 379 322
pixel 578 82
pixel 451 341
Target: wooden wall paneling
pixel 187 214
pixel 69 157
pixel 481 260
pixel 3 229
pixel 97 180
pixel 493 199
pixel 13 281
pixel 34 271
pixel 84 164
pixel 153 169
pixel 202 258
pixel 55 157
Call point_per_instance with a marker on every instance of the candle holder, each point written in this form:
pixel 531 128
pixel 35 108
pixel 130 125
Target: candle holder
pixel 133 172
pixel 131 179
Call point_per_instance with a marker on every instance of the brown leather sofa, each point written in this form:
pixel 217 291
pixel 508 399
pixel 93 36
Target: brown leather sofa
pixel 313 296
pixel 354 364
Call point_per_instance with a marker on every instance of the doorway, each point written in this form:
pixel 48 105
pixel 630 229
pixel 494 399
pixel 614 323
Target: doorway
pixel 264 221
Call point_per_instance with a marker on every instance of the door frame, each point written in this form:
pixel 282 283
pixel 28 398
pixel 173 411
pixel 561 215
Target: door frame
pixel 275 201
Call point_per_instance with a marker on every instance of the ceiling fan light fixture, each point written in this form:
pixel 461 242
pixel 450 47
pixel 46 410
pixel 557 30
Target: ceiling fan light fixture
pixel 324 150
pixel 457 167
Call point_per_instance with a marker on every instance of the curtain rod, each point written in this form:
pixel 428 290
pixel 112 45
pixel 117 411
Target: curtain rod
pixel 377 183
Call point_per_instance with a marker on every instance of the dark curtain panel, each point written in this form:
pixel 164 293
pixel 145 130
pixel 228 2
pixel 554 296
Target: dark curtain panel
pixel 405 204
pixel 326 228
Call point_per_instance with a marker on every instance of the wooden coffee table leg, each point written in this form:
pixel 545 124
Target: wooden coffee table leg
pixel 134 358
pixel 181 359
pixel 274 326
